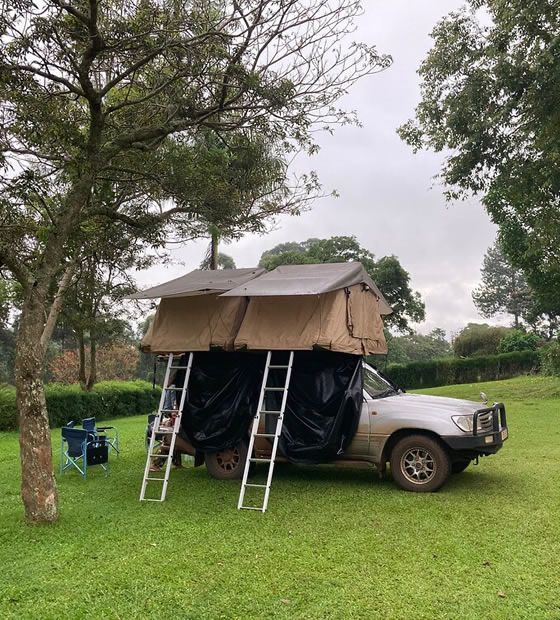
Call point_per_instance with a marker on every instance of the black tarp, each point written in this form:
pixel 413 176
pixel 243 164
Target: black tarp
pixel 322 410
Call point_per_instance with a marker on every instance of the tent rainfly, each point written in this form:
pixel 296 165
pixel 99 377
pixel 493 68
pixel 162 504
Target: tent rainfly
pixel 191 316
pixel 333 306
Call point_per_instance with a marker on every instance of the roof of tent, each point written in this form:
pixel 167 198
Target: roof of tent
pixel 297 280
pixel 200 282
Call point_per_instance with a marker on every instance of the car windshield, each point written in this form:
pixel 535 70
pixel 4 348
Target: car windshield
pixel 375 385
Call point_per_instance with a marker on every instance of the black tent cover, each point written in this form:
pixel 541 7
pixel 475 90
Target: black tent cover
pixel 322 410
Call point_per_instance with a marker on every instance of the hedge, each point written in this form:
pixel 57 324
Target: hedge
pixel 466 370
pixel 108 399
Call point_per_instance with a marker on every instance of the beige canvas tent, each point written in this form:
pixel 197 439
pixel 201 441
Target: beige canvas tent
pixel 334 306
pixel 192 316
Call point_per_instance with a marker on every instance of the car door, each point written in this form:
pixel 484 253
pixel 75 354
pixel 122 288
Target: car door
pixel 359 447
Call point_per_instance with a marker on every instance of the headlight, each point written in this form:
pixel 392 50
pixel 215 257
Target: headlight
pixel 464 422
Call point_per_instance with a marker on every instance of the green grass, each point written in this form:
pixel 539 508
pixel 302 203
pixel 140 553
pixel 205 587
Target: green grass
pixel 336 543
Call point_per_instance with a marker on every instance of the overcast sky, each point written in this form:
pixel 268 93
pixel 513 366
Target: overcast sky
pixel 389 198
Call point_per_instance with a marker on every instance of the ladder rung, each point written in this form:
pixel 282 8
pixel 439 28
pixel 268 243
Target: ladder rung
pixel 245 507
pixel 175 389
pixel 265 435
pixel 148 499
pixel 165 431
pixel 167 410
pixel 179 367
pixel 268 412
pixel 255 460
pixel 153 455
pixel 275 389
pixel 260 486
pixel 275 367
pixel 159 479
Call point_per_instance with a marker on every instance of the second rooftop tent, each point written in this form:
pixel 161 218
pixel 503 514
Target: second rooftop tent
pixel 332 306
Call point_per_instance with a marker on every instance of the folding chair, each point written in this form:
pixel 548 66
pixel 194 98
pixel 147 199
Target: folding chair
pixel 80 449
pixel 112 439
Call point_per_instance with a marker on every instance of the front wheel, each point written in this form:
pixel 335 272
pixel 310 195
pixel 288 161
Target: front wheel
pixel 420 463
pixel 227 464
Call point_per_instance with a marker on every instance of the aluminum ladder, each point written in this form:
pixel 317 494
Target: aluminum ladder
pixel 262 411
pixel 172 431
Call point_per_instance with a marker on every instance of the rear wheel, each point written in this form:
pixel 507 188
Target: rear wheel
pixel 227 464
pixel 420 463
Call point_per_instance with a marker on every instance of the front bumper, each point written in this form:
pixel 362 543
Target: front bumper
pixel 487 442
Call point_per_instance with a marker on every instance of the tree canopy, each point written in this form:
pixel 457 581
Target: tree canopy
pixel 490 88
pixel 387 272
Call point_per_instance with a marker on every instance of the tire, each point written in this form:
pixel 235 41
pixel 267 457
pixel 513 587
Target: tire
pixel 227 464
pixel 420 464
pixel 459 466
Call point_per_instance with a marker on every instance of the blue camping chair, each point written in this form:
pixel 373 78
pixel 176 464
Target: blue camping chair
pixel 101 432
pixel 80 449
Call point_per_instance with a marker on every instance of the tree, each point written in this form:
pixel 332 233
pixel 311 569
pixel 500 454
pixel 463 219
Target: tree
pixel 417 347
pixel 223 261
pixel 489 97
pixel 389 275
pixel 479 339
pixel 503 287
pixel 92 92
pixel 518 340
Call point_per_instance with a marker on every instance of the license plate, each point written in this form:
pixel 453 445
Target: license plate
pixel 504 434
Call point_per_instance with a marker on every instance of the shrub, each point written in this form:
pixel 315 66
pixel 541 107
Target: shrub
pixel 479 339
pixel 518 341
pixel 468 370
pixel 108 399
pixel 550 359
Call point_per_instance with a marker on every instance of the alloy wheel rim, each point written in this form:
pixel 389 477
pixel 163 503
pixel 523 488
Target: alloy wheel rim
pixel 418 465
pixel 228 459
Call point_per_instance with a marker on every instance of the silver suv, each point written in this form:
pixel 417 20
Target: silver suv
pixel 425 439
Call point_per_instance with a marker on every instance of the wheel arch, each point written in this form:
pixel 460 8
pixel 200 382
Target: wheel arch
pixel 395 437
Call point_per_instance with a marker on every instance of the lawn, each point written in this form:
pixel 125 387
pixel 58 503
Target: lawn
pixel 336 543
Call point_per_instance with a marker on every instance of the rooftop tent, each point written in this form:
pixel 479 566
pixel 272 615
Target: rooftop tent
pixel 191 316
pixel 332 306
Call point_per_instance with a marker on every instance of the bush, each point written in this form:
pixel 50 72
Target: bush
pixel 469 370
pixel 108 399
pixel 518 341
pixel 550 359
pixel 479 339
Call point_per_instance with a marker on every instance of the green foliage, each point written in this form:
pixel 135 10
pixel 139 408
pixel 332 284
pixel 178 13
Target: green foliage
pixel 389 275
pixel 518 340
pixel 470 370
pixel 108 399
pixel 489 99
pixel 417 347
pixel 478 339
pixel 550 359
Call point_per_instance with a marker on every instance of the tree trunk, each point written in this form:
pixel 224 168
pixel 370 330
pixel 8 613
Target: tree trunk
pixel 82 359
pixel 38 484
pixel 214 240
pixel 92 378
